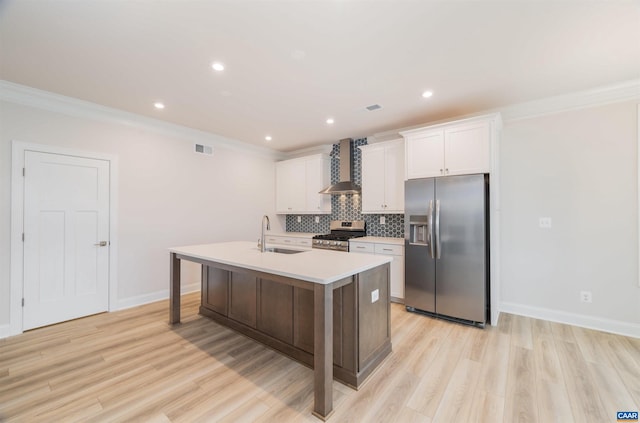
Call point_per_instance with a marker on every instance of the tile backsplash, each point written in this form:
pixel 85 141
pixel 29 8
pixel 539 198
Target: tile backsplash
pixel 348 206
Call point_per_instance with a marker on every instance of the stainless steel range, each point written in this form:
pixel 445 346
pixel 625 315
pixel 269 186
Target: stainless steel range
pixel 341 232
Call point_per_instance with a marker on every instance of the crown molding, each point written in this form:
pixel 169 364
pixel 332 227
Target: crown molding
pixel 624 91
pixel 318 149
pixel 26 96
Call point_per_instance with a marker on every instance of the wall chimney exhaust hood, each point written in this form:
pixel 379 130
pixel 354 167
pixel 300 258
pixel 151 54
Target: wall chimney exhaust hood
pixel 345 186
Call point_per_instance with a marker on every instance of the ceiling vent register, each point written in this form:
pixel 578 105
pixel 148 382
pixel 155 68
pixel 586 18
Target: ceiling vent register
pixel 203 149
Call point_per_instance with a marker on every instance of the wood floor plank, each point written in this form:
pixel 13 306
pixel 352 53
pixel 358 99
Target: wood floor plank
pixel 132 366
pixel 247 413
pixel 616 397
pixel 592 344
pixel 521 403
pixel 455 405
pixel 625 363
pixel 521 332
pixel 427 396
pixel 409 415
pixel 553 402
pixel 584 397
pixel 486 407
pixel 495 366
pixel 562 332
pixel 547 363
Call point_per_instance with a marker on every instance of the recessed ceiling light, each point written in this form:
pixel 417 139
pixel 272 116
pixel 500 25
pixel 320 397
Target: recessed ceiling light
pixel 268 138
pixel 427 94
pixel 330 121
pixel 158 105
pixel 217 66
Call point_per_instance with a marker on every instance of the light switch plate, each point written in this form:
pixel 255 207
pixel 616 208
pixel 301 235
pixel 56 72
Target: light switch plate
pixel 375 295
pixel 383 220
pixel 545 222
pixel 299 219
pixel 317 219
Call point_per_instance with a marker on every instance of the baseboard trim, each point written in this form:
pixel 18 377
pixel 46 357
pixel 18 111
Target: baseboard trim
pixel 152 297
pixel 606 325
pixel 5 330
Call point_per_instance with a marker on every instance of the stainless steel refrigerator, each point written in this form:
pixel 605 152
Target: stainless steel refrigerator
pixel 447 248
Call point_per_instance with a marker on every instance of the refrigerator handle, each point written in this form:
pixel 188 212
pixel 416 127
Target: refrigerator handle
pixel 438 245
pixel 430 233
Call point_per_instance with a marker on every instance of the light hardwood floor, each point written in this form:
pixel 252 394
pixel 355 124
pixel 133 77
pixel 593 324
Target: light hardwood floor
pixel 132 366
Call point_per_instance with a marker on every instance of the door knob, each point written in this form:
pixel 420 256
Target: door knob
pixel 101 244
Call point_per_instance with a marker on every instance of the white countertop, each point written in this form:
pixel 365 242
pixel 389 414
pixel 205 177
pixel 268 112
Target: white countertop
pixel 316 265
pixel 379 240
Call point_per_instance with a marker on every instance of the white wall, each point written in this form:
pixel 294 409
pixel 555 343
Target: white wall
pixel 580 169
pixel 168 195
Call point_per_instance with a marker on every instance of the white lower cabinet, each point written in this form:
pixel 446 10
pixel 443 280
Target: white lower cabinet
pixel 394 250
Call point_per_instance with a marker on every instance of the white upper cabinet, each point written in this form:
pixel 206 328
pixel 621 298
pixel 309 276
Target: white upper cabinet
pixel 383 177
pixel 425 154
pixel 290 189
pixel 317 171
pixel 467 149
pixel 298 182
pixel 454 148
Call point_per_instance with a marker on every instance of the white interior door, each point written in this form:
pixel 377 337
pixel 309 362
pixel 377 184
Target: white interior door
pixel 66 217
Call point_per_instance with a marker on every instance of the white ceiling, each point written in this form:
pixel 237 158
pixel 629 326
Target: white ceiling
pixel 292 64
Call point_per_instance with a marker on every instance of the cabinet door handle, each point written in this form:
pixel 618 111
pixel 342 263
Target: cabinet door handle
pixel 101 244
pixel 446 170
pixel 387 249
pixel 441 171
pixel 358 246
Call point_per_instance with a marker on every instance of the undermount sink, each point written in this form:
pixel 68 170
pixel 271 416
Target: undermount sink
pixel 282 251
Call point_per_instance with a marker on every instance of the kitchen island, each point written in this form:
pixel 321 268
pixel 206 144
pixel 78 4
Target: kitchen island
pixel 326 309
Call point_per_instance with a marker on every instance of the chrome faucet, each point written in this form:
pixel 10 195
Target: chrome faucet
pixel 263 242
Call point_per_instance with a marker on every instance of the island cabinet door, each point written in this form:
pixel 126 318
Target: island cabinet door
pixel 242 298
pixel 344 342
pixel 215 289
pixel 275 310
pixel 373 313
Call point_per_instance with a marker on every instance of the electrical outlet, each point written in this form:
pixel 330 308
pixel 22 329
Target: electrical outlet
pixel 545 222
pixel 299 219
pixel 383 220
pixel 375 295
pixel 317 219
pixel 585 296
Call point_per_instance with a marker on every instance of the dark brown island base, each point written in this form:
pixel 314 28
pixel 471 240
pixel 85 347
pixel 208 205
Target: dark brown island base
pixel 335 321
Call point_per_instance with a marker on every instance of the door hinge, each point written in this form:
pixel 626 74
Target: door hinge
pixel 23 302
pixel 24 172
